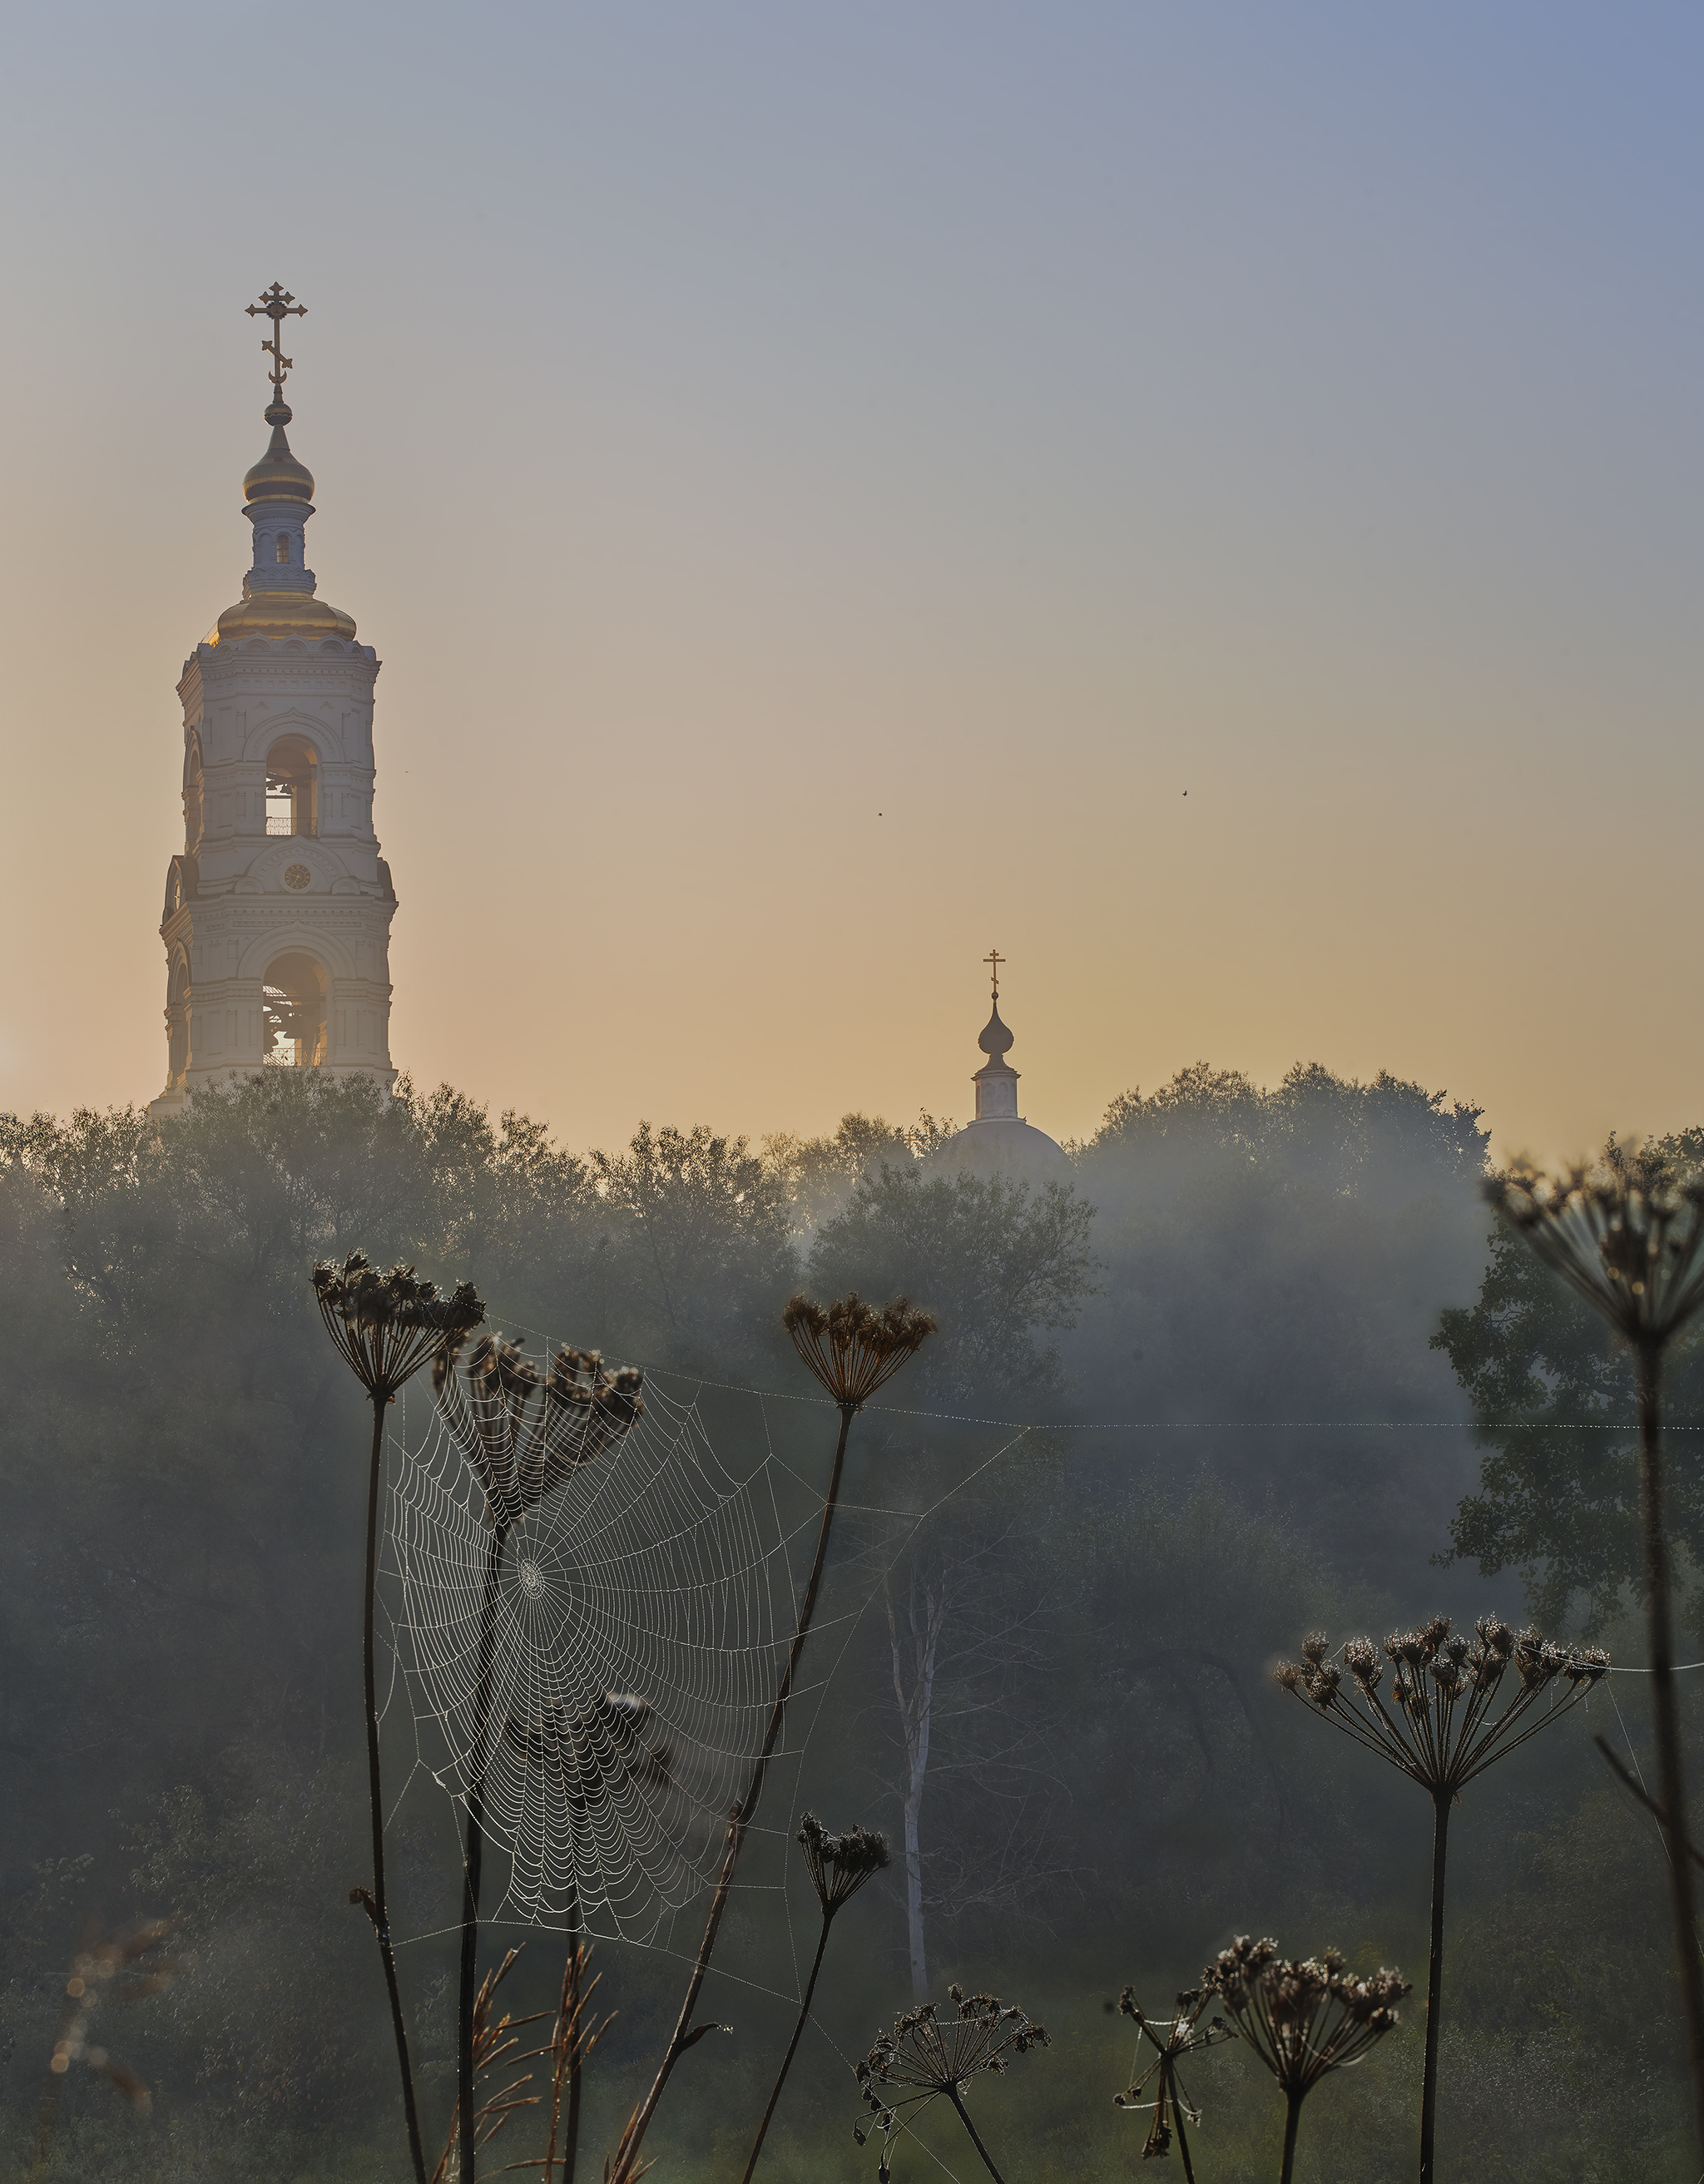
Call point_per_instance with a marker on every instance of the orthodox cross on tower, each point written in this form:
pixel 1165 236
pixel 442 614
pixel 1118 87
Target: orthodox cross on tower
pixel 993 959
pixel 277 303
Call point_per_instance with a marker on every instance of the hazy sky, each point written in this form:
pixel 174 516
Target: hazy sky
pixel 825 481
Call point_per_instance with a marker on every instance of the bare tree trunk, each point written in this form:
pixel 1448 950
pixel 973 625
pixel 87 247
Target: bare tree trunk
pixel 914 1896
pixel 914 1688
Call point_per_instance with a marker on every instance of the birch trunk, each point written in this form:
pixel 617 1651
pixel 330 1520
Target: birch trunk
pixel 914 1688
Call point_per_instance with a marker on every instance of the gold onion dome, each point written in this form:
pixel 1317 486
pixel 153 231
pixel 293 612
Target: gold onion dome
pixel 282 610
pixel 278 476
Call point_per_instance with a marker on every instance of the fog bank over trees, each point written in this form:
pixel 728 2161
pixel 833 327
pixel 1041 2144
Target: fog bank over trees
pixel 1053 1693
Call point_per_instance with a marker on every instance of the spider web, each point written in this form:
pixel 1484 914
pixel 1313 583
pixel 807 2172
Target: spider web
pixel 643 1611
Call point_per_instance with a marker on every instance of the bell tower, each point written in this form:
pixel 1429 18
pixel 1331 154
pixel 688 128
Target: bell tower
pixel 278 912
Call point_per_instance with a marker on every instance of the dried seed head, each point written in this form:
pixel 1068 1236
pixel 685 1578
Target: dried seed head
pixel 1303 2018
pixel 1441 1722
pixel 839 1865
pixel 1627 1234
pixel 925 2056
pixel 522 1431
pixel 1495 1636
pixel 853 1348
pixel 385 1326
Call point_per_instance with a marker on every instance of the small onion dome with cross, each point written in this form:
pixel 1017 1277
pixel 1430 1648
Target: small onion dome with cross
pixel 1000 1139
pixel 278 597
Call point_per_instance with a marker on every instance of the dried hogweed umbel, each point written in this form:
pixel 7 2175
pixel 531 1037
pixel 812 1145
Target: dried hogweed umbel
pixel 1628 1235
pixel 853 1349
pixel 384 1327
pixel 838 1866
pixel 1172 2039
pixel 1452 1708
pixel 926 2057
pixel 1303 2019
pixel 387 1325
pixel 522 1433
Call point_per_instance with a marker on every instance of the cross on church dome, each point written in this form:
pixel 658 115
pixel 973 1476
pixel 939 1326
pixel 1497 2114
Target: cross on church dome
pixel 277 303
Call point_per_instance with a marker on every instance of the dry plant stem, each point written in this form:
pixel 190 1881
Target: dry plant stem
pixel 381 1916
pixel 964 2119
pixel 474 1853
pixel 1184 2148
pixel 571 2147
pixel 1671 1780
pixel 791 2050
pixel 1434 1986
pixel 1292 2123
pixel 566 2050
pixel 572 2003
pixel 621 2169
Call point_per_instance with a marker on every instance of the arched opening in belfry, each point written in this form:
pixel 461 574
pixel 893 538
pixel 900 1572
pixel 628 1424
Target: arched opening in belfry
pixel 177 1018
pixel 292 1001
pixel 281 547
pixel 292 787
pixel 192 803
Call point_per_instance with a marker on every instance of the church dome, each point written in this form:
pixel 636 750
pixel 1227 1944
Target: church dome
pixel 282 614
pixel 278 476
pixel 999 1142
pixel 996 1040
pixel 1007 1146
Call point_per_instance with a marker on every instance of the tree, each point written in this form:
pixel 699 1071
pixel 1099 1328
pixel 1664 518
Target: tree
pixel 708 1221
pixel 1000 1265
pixel 1553 1405
pixel 819 1174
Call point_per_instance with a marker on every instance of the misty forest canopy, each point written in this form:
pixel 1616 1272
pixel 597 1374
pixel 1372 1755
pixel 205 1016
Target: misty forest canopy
pixel 1053 1698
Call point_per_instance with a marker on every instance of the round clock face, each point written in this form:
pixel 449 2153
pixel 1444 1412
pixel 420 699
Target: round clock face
pixel 297 876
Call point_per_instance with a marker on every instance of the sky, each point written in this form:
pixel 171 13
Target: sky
pixel 1207 500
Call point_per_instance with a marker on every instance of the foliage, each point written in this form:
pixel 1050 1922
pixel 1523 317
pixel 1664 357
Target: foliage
pixel 1551 1389
pixel 708 1226
pixel 1000 1267
pixel 179 1607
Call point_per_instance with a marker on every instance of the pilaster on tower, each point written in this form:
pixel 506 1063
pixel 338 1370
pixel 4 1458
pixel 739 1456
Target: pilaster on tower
pixel 278 909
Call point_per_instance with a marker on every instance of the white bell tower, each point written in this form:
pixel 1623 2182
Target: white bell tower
pixel 278 912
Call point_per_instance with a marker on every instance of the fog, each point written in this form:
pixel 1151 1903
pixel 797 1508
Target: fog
pixel 1213 1388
